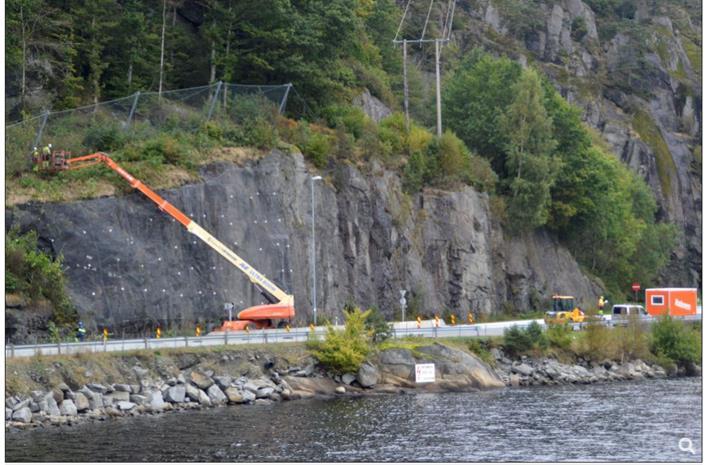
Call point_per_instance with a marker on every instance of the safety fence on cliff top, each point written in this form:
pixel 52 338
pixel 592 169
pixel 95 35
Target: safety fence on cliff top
pixel 138 116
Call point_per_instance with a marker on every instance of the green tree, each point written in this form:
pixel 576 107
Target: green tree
pixel 531 168
pixel 345 350
pixel 475 99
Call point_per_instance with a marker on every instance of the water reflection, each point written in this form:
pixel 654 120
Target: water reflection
pixel 641 421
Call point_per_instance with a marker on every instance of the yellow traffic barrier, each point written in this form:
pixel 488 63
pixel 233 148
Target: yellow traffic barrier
pixel 470 318
pixel 288 328
pixel 419 322
pixel 105 334
pixel 436 320
pixel 453 320
pixel 159 332
pixel 198 330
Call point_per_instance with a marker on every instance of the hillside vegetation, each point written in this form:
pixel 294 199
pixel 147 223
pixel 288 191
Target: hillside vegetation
pixel 510 133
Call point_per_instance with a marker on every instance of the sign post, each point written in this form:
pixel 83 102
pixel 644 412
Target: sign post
pixel 403 304
pixel 635 289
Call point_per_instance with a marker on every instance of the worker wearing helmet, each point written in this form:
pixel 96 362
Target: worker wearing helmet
pixel 35 159
pixel 46 156
pixel 601 305
pixel 81 331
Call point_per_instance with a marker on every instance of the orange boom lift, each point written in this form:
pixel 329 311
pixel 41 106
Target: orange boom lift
pixel 281 305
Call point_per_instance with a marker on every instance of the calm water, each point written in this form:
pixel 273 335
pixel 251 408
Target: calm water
pixel 640 421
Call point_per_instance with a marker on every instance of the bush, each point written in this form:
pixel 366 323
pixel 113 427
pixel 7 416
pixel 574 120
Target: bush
pixel 315 146
pixel 261 134
pixel 352 119
pixel 517 340
pixel 35 274
pixel 344 351
pixel 560 336
pixel 480 349
pixel 595 342
pixel 674 340
pixel 106 137
pixel 379 328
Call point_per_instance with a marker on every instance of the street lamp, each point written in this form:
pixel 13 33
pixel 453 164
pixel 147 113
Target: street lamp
pixel 313 241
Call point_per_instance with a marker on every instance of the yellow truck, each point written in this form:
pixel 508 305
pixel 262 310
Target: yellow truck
pixel 563 311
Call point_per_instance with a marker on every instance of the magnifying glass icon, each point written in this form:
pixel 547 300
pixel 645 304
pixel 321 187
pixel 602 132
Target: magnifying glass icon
pixel 685 445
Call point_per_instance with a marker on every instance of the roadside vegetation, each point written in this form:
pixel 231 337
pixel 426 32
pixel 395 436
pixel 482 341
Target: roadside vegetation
pixel 33 275
pixel 671 343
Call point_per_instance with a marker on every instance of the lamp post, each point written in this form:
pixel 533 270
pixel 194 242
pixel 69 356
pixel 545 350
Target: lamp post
pixel 313 242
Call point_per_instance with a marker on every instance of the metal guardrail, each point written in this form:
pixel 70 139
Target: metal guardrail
pixel 273 336
pixel 269 336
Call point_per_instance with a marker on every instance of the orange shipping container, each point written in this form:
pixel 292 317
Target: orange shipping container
pixel 673 301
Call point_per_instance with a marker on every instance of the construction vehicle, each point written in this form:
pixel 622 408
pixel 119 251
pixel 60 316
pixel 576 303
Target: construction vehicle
pixel 281 306
pixel 563 311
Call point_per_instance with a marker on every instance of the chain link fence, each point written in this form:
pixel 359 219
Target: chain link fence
pixel 138 116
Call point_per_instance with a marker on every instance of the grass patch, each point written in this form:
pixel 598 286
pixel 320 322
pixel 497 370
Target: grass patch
pixel 693 52
pixel 651 135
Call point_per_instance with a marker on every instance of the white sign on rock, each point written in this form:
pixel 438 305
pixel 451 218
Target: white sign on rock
pixel 425 373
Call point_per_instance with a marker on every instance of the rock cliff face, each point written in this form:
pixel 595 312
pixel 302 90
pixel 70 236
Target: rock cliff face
pixel 635 70
pixel 129 264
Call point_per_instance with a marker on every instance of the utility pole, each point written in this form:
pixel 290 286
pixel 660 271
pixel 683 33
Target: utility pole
pixel 406 88
pixel 313 243
pixel 161 55
pixel 438 89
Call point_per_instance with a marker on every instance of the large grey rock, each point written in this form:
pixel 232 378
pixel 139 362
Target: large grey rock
pixel 8 414
pixel 21 404
pixel 175 394
pixel 201 380
pixel 63 387
pixel 216 395
pixel 11 401
pixel 68 408
pixel 118 396
pixel 368 375
pixel 125 406
pixel 522 369
pixel 223 382
pixel 459 369
pixel 250 386
pixel 96 387
pixel 95 400
pixel 37 395
pixel 192 391
pixel 81 402
pixel 122 388
pixel 156 402
pixel 264 392
pixel 33 407
pixel 348 378
pixel 203 399
pixel 138 399
pixel 24 415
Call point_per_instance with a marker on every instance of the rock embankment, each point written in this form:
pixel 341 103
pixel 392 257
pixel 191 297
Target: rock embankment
pixel 190 383
pixel 548 371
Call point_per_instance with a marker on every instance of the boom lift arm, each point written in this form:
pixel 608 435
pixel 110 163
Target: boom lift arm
pixel 283 306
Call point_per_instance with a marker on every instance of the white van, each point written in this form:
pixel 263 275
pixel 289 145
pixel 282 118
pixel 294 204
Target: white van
pixel 623 311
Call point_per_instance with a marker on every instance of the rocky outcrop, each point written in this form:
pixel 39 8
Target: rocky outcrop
pixel 455 369
pixel 127 263
pixel 371 106
pixel 635 73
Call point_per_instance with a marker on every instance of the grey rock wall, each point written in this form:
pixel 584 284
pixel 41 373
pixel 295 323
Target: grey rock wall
pixel 128 263
pixel 642 67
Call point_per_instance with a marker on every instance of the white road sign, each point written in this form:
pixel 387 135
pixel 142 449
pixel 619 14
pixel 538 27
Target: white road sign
pixel 425 373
